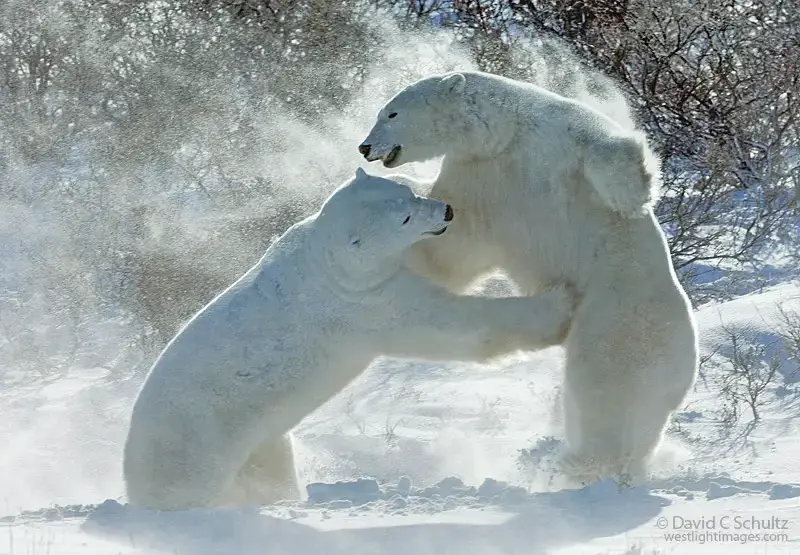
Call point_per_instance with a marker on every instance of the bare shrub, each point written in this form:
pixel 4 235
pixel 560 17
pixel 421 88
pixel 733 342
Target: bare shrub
pixel 120 123
pixel 789 332
pixel 749 372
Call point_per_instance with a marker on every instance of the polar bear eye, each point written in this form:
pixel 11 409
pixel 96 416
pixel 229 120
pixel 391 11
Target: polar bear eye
pixel 392 115
pixel 408 218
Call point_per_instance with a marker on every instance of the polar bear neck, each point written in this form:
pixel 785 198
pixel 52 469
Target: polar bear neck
pixel 491 117
pixel 360 281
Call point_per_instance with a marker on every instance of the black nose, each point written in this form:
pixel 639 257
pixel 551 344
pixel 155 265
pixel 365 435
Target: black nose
pixel 448 213
pixel 364 150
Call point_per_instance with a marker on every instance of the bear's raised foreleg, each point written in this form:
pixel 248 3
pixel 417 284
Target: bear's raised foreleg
pixel 442 326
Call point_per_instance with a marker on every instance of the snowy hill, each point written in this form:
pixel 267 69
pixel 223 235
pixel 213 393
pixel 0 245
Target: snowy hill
pixel 449 458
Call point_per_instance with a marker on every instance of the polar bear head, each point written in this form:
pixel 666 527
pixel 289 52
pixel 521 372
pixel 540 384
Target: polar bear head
pixel 369 222
pixel 427 119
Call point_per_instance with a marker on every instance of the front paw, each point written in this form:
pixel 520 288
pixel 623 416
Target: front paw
pixel 551 318
pixel 564 299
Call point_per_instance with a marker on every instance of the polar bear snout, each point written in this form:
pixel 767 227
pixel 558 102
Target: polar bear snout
pixel 440 216
pixel 448 213
pixel 388 154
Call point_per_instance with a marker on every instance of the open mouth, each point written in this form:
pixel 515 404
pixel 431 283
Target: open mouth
pixel 438 232
pixel 390 158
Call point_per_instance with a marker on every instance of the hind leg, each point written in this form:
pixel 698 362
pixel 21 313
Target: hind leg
pixel 625 373
pixel 174 463
pixel 598 428
pixel 268 475
pixel 616 441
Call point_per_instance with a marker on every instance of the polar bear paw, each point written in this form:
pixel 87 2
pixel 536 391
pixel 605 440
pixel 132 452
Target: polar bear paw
pixel 564 299
pixel 546 317
pixel 583 470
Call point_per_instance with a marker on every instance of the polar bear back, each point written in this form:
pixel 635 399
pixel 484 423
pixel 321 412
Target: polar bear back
pixel 244 341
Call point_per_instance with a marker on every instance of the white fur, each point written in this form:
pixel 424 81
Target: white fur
pixel 211 423
pixel 552 191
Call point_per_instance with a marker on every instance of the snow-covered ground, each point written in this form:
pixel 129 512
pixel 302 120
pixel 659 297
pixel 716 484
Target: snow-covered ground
pixel 448 457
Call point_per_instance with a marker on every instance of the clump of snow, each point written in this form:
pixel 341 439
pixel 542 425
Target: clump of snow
pixel 358 492
pixel 784 491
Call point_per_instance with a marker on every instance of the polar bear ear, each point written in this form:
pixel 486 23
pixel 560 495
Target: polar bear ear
pixel 454 83
pixel 360 173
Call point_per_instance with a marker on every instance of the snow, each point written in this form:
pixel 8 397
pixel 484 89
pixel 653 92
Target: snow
pixel 425 459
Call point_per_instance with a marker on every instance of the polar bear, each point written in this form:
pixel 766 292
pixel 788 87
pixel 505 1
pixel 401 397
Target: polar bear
pixel 550 190
pixel 211 424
